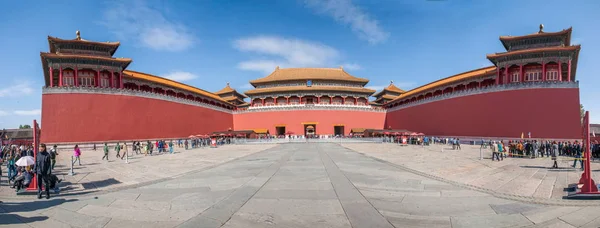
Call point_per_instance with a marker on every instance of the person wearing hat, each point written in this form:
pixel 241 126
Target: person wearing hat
pixel 42 169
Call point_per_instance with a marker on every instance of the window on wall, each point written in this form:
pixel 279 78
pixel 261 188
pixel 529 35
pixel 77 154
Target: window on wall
pixel 68 81
pixel 85 81
pixel 104 82
pixel 552 75
pixel 515 77
pixel 533 76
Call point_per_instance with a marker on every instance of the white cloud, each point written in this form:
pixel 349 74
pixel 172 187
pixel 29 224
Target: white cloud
pixel 352 66
pixel 180 76
pixel 3 113
pixel 345 12
pixel 15 90
pixel 28 112
pixel 275 51
pixel 139 21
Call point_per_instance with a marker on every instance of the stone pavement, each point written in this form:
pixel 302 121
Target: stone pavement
pixel 95 174
pixel 294 185
pixel 513 176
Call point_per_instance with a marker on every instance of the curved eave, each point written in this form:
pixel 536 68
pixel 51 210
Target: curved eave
pixel 312 89
pixel 564 32
pixel 260 81
pixel 44 55
pixel 113 45
pixel 458 77
pixel 534 50
pixel 388 90
pixel 164 81
pixel 274 76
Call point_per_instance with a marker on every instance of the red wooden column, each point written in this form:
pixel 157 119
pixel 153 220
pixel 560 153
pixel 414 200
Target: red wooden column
pixel 76 77
pixel 543 71
pixel 355 101
pixel 121 80
pixel 110 80
pixel 508 78
pixel 60 77
pixel 275 101
pixel 97 78
pixel 559 71
pixel 330 100
pixel 497 77
pixel 569 71
pixel 301 99
pixel 51 77
pixel 262 101
pixel 318 100
pixel 287 100
pixel 521 75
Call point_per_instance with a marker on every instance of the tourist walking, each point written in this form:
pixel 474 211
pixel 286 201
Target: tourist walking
pixel 125 152
pixel 171 146
pixel 578 157
pixel 105 152
pixel 76 155
pixel 42 169
pixel 53 153
pixel 554 154
pixel 118 150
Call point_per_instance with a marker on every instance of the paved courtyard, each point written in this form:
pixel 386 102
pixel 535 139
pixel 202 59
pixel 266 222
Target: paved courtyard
pixel 290 185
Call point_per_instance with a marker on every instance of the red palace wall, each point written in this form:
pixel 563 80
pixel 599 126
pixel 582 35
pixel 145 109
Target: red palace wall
pixel 293 120
pixel 102 117
pixel 546 113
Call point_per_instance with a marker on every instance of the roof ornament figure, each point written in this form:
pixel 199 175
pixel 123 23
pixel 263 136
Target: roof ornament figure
pixel 227 84
pixel 342 67
pixel 541 28
pixel 277 68
pixel 391 82
pixel 78 35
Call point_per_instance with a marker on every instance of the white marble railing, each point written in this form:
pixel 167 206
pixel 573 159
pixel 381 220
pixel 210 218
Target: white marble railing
pixel 127 92
pixel 295 107
pixel 491 89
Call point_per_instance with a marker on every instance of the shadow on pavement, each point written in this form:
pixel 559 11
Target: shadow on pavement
pixel 7 217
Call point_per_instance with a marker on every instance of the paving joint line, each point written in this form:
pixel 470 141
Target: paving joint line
pixel 99 192
pixel 525 199
pixel 359 192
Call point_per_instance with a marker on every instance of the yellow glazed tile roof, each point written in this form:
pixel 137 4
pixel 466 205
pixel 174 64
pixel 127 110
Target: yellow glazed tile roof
pixel 306 88
pixel 538 34
pixel 532 50
pixel 164 81
pixel 261 131
pixel 448 80
pixel 390 88
pixel 52 40
pixel 289 74
pixel 227 89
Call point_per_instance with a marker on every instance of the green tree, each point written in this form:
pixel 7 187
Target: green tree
pixel 26 126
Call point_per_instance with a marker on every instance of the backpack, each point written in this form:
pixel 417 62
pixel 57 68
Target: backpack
pixel 53 154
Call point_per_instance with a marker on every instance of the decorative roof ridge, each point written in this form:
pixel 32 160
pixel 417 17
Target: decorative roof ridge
pixel 109 43
pixel 539 33
pixel 571 47
pixel 180 85
pixel 276 75
pixel 50 54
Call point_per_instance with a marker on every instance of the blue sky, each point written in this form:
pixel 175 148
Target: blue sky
pixel 208 43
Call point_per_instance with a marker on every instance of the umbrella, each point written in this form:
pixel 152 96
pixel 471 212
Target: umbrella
pixel 25 161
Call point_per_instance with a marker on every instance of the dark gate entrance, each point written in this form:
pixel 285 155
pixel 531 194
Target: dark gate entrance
pixel 280 130
pixel 338 130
